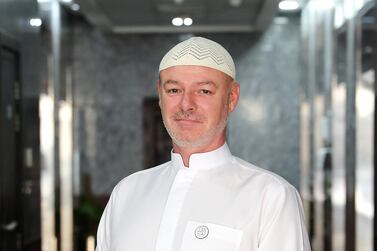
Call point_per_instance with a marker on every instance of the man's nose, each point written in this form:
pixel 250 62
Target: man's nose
pixel 188 102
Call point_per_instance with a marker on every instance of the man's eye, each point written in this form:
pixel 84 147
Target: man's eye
pixel 173 91
pixel 205 91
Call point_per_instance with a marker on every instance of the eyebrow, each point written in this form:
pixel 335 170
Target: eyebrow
pixel 170 81
pixel 207 83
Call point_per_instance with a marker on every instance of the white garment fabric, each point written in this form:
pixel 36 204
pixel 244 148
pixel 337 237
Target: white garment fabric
pixel 218 203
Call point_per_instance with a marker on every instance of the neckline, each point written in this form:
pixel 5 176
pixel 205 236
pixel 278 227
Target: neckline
pixel 203 161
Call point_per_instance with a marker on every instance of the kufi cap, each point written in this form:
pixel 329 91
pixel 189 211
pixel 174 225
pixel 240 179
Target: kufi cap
pixel 202 52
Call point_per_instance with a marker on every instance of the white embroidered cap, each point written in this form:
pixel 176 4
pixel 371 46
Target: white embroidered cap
pixel 202 52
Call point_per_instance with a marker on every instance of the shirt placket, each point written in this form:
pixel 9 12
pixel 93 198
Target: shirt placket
pixel 169 221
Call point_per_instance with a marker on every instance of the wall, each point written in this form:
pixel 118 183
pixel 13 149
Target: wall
pixel 17 34
pixel 15 15
pixel 112 75
pixel 264 128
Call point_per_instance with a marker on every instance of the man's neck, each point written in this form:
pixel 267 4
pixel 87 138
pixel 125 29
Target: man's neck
pixel 186 152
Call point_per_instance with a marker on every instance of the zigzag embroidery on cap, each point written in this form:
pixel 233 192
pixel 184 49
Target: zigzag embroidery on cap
pixel 199 53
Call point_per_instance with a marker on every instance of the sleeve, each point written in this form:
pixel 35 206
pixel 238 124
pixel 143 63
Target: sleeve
pixel 103 231
pixel 282 224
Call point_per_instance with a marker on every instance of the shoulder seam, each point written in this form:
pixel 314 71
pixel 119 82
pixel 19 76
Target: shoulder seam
pixel 276 177
pixel 143 172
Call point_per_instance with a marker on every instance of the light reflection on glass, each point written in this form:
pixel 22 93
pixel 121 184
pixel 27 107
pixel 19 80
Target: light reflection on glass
pixel 305 157
pixel 339 16
pixel 338 194
pixel 90 243
pixel 47 136
pixel 66 162
pixel 252 110
pixel 364 161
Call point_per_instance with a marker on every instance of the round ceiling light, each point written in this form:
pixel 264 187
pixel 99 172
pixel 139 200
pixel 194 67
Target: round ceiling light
pixel 187 21
pixel 35 22
pixel 289 5
pixel 177 21
pixel 75 7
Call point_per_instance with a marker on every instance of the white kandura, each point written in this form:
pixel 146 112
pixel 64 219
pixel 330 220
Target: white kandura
pixel 218 203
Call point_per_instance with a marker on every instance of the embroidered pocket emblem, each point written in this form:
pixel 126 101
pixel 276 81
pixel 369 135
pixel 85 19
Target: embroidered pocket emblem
pixel 201 232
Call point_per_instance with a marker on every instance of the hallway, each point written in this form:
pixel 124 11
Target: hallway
pixel 79 108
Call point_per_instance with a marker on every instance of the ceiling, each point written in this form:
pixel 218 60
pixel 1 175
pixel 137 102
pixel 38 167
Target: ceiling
pixel 154 16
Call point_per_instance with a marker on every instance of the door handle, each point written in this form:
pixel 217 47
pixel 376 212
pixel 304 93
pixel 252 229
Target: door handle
pixel 10 226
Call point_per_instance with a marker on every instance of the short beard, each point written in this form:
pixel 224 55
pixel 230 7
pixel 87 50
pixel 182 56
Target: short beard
pixel 203 140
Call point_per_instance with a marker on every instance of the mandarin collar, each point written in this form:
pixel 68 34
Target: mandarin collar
pixel 207 160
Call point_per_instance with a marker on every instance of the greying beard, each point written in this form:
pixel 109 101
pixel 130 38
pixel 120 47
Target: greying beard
pixel 203 139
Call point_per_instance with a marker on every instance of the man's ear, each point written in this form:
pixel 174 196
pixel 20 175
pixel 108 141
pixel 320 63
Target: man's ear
pixel 234 96
pixel 159 92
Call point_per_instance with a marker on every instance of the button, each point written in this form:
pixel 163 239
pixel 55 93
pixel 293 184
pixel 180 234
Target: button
pixel 201 232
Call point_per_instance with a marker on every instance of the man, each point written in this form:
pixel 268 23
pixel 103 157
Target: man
pixel 204 199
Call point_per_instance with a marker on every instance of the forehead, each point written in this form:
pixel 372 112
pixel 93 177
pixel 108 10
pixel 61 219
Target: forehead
pixel 193 73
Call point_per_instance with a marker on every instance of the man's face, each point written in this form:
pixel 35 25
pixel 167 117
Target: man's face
pixel 195 102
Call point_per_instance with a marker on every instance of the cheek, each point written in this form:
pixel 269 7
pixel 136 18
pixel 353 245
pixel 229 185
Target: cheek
pixel 167 108
pixel 214 111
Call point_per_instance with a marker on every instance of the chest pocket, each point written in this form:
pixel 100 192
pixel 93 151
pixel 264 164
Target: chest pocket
pixel 200 236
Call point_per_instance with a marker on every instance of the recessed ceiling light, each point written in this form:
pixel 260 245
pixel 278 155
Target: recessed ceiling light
pixel 289 5
pixel 66 1
pixel 35 22
pixel 187 21
pixel 177 21
pixel 75 7
pixel 235 3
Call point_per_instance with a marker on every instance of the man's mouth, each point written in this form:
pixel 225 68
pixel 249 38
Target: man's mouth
pixel 188 120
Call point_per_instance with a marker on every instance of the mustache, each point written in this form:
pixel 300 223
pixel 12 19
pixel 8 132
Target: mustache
pixel 189 115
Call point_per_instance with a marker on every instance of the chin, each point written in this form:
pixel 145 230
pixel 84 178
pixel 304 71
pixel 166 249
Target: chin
pixel 200 141
pixel 189 144
pixel 194 138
